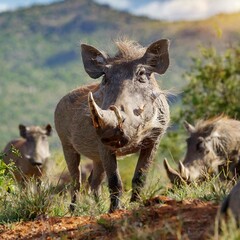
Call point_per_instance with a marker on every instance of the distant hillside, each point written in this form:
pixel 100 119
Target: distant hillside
pixel 40 58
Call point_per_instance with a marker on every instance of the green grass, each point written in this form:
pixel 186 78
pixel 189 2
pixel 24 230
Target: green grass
pixel 226 228
pixel 23 204
pixel 27 204
pixel 210 190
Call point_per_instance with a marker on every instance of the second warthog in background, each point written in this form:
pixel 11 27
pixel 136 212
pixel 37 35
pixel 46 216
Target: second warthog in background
pixel 213 147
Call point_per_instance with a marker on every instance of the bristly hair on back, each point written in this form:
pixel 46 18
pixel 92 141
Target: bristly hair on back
pixel 208 125
pixel 128 50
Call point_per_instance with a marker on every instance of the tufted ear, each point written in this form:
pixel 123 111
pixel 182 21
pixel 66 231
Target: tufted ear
pixel 157 56
pixel 22 130
pixel 94 61
pixel 48 130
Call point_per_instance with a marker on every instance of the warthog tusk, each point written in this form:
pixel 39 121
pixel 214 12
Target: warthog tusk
pixel 173 175
pixel 118 115
pixel 183 171
pixel 95 111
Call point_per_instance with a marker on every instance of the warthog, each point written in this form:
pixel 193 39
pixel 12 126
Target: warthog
pixel 213 147
pixel 232 203
pixel 125 113
pixel 34 152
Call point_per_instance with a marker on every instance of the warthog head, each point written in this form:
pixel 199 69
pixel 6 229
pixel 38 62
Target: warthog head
pixel 123 110
pixel 36 148
pixel 210 146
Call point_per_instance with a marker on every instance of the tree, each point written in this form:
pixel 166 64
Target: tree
pixel 214 85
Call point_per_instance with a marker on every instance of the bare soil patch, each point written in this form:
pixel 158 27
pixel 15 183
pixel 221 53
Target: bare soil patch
pixel 160 218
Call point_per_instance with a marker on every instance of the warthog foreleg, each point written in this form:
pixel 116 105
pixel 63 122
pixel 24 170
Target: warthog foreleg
pixel 114 180
pixel 144 162
pixel 73 162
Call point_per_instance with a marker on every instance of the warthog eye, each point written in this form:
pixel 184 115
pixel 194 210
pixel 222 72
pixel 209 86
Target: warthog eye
pixel 141 75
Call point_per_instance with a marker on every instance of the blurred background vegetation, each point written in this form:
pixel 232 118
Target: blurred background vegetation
pixel 40 62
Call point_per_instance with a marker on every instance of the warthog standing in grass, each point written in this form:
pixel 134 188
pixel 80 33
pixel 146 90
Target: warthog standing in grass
pixel 126 113
pixel 34 152
pixel 232 203
pixel 213 147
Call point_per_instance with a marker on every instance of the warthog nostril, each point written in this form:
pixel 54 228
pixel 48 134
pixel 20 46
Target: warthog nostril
pixel 117 143
pixel 34 162
pixel 37 164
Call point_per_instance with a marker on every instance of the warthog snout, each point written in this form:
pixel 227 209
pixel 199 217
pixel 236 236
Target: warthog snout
pixel 34 161
pixel 114 138
pixel 108 123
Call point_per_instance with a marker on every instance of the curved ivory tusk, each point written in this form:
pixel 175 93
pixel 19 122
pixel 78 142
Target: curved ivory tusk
pixel 95 111
pixel 118 115
pixel 173 175
pixel 183 171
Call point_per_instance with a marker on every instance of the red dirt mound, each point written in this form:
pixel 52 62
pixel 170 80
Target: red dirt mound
pixel 160 218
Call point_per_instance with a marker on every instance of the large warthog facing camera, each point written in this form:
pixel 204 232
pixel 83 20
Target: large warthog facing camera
pixel 213 147
pixel 125 113
pixel 34 152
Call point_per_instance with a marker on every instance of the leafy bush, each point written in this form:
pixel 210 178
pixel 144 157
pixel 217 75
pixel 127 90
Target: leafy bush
pixel 214 85
pixel 6 176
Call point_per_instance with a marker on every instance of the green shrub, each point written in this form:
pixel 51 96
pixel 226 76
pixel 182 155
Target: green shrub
pixel 6 176
pixel 214 85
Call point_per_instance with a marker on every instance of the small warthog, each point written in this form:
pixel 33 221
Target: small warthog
pixel 231 203
pixel 34 152
pixel 213 147
pixel 125 113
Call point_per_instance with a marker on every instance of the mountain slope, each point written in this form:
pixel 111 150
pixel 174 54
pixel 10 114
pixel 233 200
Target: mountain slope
pixel 40 58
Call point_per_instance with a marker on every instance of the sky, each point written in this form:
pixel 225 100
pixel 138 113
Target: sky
pixel 170 10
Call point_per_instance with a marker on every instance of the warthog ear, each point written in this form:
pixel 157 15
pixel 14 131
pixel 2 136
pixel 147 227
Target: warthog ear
pixel 94 61
pixel 157 56
pixel 48 130
pixel 22 130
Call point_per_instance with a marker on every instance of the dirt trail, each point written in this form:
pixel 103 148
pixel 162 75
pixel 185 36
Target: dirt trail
pixel 160 218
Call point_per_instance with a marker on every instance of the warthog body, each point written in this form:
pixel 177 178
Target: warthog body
pixel 125 113
pixel 34 152
pixel 232 203
pixel 213 147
